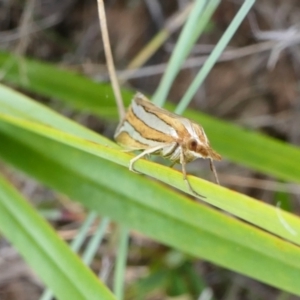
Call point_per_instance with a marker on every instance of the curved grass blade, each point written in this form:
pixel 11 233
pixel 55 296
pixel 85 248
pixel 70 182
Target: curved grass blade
pixel 45 252
pixel 75 246
pixel 253 211
pixel 164 215
pixel 239 145
pixel 51 81
pixel 219 48
pixel 182 49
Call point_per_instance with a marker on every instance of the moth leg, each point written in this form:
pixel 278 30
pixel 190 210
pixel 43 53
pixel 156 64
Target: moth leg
pixel 147 156
pixel 183 163
pixel 213 169
pixel 144 153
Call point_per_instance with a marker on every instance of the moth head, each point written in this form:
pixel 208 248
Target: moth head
pixel 198 149
pixel 197 145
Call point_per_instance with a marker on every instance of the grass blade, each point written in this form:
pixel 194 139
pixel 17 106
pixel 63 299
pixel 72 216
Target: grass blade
pixel 152 209
pixel 51 258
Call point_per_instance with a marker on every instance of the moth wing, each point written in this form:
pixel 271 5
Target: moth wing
pixel 177 125
pixel 154 117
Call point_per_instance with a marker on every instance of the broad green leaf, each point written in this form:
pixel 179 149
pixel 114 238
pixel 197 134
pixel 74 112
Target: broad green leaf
pixel 48 255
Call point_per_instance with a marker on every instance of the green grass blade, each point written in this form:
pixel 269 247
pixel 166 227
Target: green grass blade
pixel 78 241
pixel 239 145
pixel 121 260
pixel 75 245
pixel 251 149
pixel 23 107
pixel 95 241
pixel 51 258
pixel 56 82
pixel 189 36
pixel 258 213
pixel 199 26
pixel 231 139
pixel 183 47
pixel 222 43
pixel 150 208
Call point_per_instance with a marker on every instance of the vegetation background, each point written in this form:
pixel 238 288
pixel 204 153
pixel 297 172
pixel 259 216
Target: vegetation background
pixel 254 85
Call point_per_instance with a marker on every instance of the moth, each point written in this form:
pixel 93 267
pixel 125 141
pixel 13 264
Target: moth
pixel 154 130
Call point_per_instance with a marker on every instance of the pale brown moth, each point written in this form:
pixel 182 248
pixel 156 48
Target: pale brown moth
pixel 154 130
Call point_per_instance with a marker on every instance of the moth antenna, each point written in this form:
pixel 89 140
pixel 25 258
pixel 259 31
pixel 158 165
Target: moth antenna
pixel 109 60
pixel 213 169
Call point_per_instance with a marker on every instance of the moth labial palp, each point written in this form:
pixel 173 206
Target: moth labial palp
pixel 154 130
